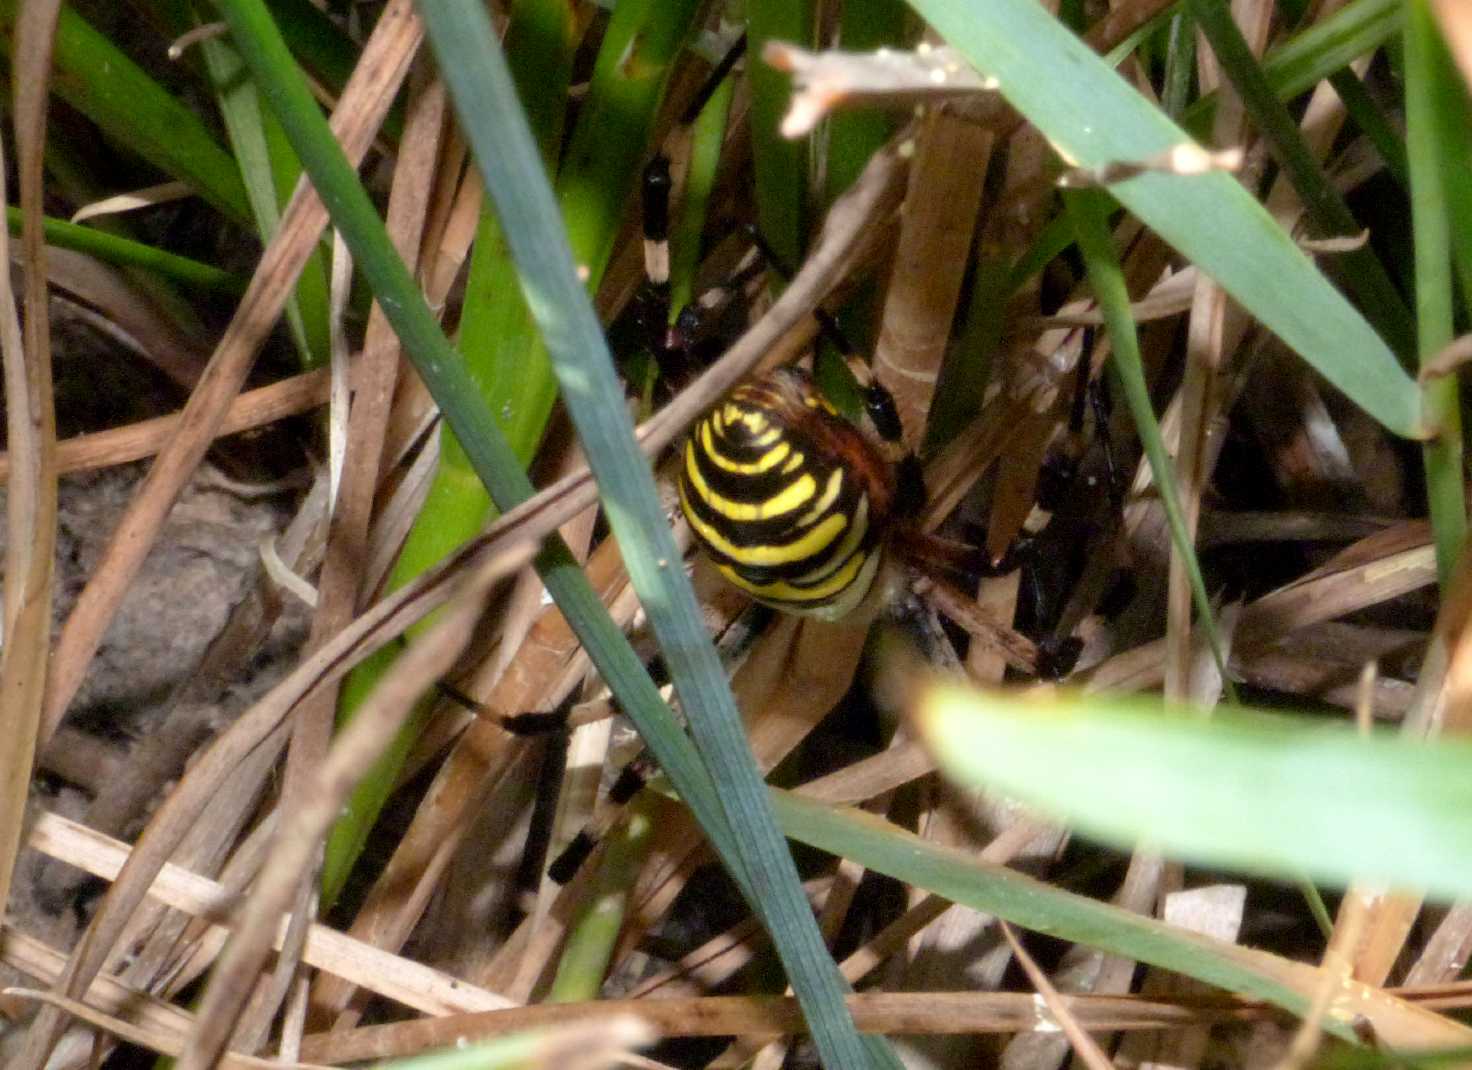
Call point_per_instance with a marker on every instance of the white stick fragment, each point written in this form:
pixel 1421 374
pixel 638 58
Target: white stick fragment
pixel 823 81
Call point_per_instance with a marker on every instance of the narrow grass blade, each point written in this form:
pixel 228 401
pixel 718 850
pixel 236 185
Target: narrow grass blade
pixel 319 44
pixel 125 252
pixel 960 877
pixel 269 170
pixel 1366 114
pixel 856 134
pixel 497 130
pixel 589 1046
pixel 708 137
pixel 473 64
pixel 1434 108
pixel 130 107
pixel 1180 67
pixel 1089 211
pixel 1307 58
pixel 1325 209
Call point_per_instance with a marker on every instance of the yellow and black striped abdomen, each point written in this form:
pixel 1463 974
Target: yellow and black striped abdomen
pixel 789 499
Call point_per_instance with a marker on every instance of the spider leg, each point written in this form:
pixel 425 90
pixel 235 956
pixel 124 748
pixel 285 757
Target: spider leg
pixel 652 303
pixel 733 648
pixel 879 404
pixel 653 298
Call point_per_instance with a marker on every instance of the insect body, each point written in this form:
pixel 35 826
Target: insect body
pixel 789 499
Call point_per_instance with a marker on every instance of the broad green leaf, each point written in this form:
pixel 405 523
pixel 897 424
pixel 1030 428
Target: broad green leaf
pixel 1093 117
pixel 1267 794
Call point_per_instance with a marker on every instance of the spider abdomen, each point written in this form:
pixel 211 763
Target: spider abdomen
pixel 789 499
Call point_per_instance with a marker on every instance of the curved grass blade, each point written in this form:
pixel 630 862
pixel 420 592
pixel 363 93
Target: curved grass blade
pixel 1093 117
pixel 1089 210
pixel 960 877
pixel 125 252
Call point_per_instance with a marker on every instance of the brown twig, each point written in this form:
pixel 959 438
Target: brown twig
pixel 118 445
pixel 339 587
pixel 1087 1048
pixel 30 545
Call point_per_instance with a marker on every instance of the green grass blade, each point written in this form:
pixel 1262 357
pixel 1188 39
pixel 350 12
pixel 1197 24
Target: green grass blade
pixel 1366 114
pixel 1089 210
pixel 1095 118
pixel 1325 209
pixel 269 170
pixel 967 369
pixel 593 932
pixel 125 252
pixel 316 41
pixel 310 300
pixel 1433 95
pixel 855 134
pixel 499 341
pixel 1307 58
pixel 1270 795
pixel 444 373
pixel 326 52
pixel 781 165
pixel 509 369
pixel 476 74
pixel 1455 112
pixel 136 112
pixel 497 338
pixel 1180 66
pixel 593 1046
pixel 612 137
pixel 960 877
pixel 1025 901
pixel 708 137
